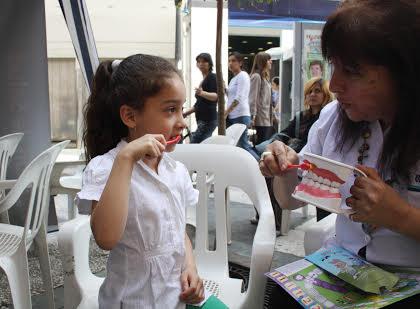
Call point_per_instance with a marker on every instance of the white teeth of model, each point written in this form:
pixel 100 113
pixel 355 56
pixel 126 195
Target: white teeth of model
pixel 334 190
pixel 335 184
pixel 317 185
pixel 304 174
pixel 305 180
pixel 311 182
pixel 315 177
pixel 325 187
pixel 310 175
pixel 327 181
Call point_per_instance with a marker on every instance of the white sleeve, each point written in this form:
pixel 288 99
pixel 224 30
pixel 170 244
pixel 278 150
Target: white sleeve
pixel 94 180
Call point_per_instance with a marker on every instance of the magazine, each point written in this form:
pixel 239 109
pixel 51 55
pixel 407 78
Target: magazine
pixel 315 288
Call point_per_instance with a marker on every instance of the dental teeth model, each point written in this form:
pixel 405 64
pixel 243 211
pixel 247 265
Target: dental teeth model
pixel 321 182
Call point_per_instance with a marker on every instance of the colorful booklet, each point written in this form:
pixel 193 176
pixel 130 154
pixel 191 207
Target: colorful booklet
pixel 353 269
pixel 210 302
pixel 314 287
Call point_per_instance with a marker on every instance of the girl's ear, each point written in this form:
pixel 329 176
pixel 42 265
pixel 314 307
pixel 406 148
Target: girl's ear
pixel 128 116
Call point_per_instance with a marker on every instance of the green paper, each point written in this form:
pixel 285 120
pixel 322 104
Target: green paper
pixel 212 303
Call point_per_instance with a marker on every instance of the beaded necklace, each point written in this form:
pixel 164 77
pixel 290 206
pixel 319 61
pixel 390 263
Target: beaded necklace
pixel 363 149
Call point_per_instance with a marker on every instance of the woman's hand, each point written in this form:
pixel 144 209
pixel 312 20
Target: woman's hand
pixel 375 202
pixel 199 91
pixel 276 163
pixel 192 286
pixel 149 145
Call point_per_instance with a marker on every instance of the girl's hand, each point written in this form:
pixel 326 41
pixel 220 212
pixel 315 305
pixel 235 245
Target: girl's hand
pixel 149 145
pixel 373 201
pixel 192 286
pixel 276 163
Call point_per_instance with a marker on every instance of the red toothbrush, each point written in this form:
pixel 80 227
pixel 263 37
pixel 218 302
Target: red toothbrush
pixel 306 165
pixel 174 140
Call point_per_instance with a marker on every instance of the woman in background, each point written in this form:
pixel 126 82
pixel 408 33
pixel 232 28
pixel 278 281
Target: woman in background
pixel 237 105
pixel 260 97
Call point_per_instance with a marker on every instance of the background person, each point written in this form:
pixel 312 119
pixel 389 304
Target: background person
pixel 205 108
pixel 260 97
pixel 237 106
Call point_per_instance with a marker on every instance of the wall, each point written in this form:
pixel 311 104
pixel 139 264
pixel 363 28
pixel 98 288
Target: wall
pixel 24 101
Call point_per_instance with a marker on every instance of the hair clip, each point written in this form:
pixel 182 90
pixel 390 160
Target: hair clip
pixel 115 64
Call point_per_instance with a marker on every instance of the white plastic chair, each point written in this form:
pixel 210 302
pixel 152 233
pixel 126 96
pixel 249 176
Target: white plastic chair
pixel 316 234
pixel 285 219
pixel 219 140
pixel 61 183
pixel 235 167
pixel 8 145
pixel 232 167
pixel 235 131
pixel 16 240
pixel 215 140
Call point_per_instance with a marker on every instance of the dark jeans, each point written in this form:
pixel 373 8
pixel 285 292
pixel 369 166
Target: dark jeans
pixel 204 130
pixel 243 141
pixel 263 133
pixel 281 299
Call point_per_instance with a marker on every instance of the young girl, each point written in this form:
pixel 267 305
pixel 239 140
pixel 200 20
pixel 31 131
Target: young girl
pixel 137 193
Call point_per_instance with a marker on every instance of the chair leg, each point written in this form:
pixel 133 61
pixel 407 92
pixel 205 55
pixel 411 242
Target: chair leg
pixel 4 217
pixel 44 261
pixel 305 211
pixel 285 218
pixel 228 223
pixel 71 210
pixel 17 272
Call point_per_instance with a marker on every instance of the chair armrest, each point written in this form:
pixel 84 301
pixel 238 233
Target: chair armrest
pixel 7 184
pixel 317 233
pixel 73 239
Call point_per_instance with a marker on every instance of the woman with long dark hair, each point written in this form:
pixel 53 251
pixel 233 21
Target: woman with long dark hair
pixel 374 124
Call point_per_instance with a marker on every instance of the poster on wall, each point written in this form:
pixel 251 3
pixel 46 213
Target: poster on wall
pixel 313 64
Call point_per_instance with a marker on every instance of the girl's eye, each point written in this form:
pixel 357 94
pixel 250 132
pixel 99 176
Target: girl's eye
pixel 171 109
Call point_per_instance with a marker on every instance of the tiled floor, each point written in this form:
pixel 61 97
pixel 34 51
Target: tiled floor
pixel 239 251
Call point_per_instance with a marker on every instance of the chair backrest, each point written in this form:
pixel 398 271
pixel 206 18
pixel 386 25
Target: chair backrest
pixel 231 167
pixel 8 145
pixel 35 176
pixel 219 140
pixel 235 131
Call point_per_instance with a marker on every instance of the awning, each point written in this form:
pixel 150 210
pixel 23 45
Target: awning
pixel 316 10
pixel 78 23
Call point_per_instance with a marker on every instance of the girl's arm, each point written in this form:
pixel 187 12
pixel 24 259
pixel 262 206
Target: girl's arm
pixel 191 283
pixel 109 215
